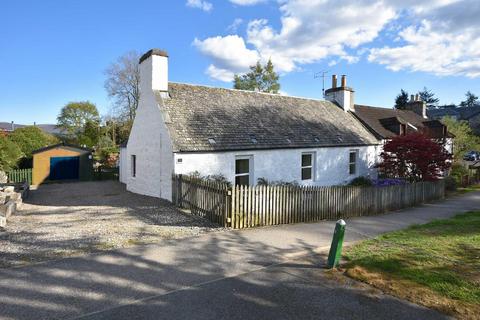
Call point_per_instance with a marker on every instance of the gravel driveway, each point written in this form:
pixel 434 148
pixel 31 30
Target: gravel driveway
pixel 60 220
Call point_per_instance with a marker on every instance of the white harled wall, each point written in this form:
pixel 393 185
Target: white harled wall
pixel 123 165
pixel 331 164
pixel 149 139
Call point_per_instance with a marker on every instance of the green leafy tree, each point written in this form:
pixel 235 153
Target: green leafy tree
pixel 429 97
pixel 470 101
pixel 260 78
pixel 29 139
pixel 465 139
pixel 74 116
pixel 401 100
pixel 10 153
pixel 122 131
pixel 90 135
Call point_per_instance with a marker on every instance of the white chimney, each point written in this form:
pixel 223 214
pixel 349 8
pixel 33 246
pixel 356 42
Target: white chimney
pixel 343 95
pixel 154 72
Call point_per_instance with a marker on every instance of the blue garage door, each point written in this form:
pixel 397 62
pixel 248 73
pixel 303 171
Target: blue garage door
pixel 64 168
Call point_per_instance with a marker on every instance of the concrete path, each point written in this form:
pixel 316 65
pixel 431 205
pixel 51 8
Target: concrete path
pixel 262 273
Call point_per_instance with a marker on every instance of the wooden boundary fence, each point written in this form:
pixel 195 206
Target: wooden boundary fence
pixel 251 206
pixel 207 199
pixel 20 175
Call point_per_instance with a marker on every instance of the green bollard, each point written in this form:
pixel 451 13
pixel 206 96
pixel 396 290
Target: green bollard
pixel 337 242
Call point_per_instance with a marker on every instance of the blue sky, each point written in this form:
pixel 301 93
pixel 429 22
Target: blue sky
pixel 53 52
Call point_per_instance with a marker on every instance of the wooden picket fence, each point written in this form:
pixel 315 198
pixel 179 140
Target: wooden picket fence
pixel 207 199
pixel 251 206
pixel 20 175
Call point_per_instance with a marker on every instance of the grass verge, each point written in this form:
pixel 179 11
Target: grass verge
pixel 435 264
pixel 463 190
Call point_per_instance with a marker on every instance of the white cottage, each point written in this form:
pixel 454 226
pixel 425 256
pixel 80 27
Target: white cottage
pixel 242 135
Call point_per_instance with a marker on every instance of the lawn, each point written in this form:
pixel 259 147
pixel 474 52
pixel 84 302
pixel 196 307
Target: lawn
pixel 435 264
pixel 463 190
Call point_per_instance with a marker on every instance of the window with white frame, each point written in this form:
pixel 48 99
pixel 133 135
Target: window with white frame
pixel 242 171
pixel 353 161
pixel 307 165
pixel 134 165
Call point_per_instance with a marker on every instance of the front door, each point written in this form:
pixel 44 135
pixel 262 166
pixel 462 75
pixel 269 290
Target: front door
pixel 64 168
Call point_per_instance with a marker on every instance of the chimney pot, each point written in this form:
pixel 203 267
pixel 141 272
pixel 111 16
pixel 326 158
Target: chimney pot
pixel 342 96
pixel 153 52
pixel 417 97
pixel 412 98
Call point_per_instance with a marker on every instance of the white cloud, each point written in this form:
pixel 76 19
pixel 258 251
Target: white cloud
pixel 436 36
pixel 200 4
pixel 246 2
pixel 445 42
pixel 234 26
pixel 220 74
pixel 230 56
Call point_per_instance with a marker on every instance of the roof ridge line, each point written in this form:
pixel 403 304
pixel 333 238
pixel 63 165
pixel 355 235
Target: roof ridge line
pixel 248 91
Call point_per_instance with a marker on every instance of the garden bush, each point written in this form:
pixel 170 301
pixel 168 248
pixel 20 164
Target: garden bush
pixel 457 172
pixel 214 177
pixel 361 182
pixel 279 183
pixel 450 183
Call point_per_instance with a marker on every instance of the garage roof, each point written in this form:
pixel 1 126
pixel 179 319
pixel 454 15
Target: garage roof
pixel 61 145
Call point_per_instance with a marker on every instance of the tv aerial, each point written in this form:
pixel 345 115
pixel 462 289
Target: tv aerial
pixel 321 74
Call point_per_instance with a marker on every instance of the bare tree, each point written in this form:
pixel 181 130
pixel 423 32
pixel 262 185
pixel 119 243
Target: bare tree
pixel 122 85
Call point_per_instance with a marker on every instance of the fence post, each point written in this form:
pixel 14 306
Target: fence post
pixel 228 207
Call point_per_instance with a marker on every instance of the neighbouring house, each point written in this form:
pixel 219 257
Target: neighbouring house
pixel 241 135
pixel 62 162
pixel 469 114
pixel 387 123
pixel 53 129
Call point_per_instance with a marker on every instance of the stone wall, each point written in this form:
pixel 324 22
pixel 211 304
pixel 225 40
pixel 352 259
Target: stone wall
pixel 3 177
pixel 11 199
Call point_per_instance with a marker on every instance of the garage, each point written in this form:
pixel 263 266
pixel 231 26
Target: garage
pixel 62 162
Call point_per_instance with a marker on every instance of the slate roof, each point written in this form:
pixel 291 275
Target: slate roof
pixel 382 120
pixel 51 128
pixel 461 113
pixel 203 118
pixel 7 126
pixel 48 128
